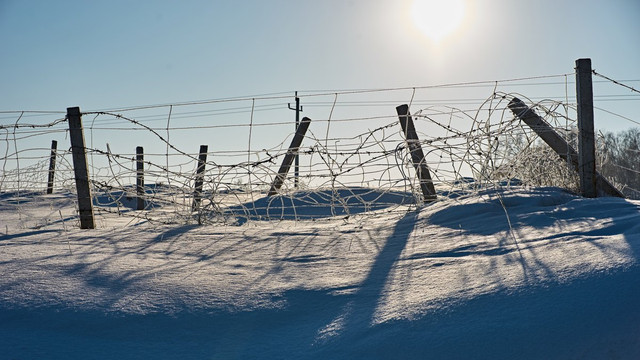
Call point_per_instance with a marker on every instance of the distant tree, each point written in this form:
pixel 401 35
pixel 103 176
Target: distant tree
pixel 531 161
pixel 619 160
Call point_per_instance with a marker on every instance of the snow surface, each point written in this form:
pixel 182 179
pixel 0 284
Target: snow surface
pixel 497 274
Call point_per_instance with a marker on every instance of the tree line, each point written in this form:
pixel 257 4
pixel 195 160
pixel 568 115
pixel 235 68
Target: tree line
pixel 530 161
pixel 619 160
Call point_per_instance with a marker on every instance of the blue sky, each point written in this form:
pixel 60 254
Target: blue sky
pixel 108 54
pixel 113 55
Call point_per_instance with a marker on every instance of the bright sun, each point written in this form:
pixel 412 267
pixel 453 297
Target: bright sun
pixel 437 18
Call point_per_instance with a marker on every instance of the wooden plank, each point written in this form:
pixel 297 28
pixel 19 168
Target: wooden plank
pixel 79 154
pixel 52 166
pixel 417 155
pixel 586 134
pixel 292 152
pixel 557 143
pixel 140 178
pixel 197 193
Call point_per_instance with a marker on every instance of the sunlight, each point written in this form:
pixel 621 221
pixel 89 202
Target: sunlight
pixel 437 18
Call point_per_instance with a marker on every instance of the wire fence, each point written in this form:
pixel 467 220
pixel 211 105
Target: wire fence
pixel 353 159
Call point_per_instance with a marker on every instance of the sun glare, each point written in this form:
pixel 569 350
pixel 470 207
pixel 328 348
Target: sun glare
pixel 437 18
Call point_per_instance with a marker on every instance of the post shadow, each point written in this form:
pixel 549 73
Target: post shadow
pixel 362 309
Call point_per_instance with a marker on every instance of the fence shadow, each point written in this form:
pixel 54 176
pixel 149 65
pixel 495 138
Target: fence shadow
pixel 313 204
pixel 318 323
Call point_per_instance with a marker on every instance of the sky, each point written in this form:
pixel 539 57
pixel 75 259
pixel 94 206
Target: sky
pixel 114 55
pixel 109 54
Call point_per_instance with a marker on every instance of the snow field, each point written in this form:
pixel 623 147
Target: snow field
pixel 523 273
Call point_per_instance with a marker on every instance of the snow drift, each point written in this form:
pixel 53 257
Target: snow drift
pixel 496 274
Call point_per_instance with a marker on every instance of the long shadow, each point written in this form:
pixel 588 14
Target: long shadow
pixel 502 215
pixel 541 208
pixel 556 321
pixel 358 314
pixel 332 316
pixel 260 333
pixel 26 234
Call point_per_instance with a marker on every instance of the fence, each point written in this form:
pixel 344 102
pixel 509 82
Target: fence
pixel 216 161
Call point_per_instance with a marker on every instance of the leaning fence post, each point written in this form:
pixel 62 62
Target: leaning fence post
pixel 140 178
pixel 79 152
pixel 52 166
pixel 291 154
pixel 586 136
pixel 417 156
pixel 197 193
pixel 556 142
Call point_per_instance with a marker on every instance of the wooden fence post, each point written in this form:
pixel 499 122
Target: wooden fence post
pixel 294 148
pixel 197 193
pixel 586 136
pixel 79 152
pixel 52 166
pixel 417 156
pixel 140 178
pixel 557 143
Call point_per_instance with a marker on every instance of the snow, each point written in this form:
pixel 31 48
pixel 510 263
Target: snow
pixel 493 274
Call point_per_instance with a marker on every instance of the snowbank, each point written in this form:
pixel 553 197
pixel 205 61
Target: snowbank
pixel 498 274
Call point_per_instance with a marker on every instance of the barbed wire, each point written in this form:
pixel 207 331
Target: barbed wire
pixel 351 161
pixel 615 82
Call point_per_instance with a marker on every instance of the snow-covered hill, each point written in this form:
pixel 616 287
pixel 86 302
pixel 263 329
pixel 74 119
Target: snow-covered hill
pixel 497 274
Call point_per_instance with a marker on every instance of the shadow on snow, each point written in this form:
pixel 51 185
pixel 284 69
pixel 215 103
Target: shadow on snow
pixel 304 205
